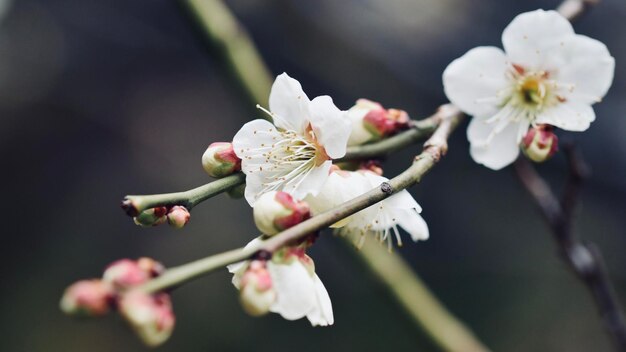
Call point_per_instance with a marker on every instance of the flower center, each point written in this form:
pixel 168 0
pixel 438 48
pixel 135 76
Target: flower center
pixel 532 90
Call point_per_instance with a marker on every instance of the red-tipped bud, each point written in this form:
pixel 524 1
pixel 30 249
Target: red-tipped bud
pixel 277 211
pixel 540 143
pixel 151 316
pixel 372 122
pixel 373 166
pixel 257 293
pixel 87 298
pixel 151 217
pixel 220 160
pixel 125 273
pixel 178 216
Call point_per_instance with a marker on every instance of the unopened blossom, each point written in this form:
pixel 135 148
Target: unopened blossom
pixel 178 216
pixel 381 219
pixel 276 211
pixel 371 122
pixel 87 298
pixel 546 74
pixel 150 315
pixel 220 160
pixel 540 143
pixel 125 273
pixel 299 291
pixel 294 153
pixel 257 293
pixel 151 217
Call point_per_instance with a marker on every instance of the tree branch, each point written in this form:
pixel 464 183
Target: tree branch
pixel 433 150
pixel 584 259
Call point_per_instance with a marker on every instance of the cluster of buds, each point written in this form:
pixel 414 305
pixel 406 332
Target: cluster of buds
pixel 372 122
pixel 177 216
pixel 150 315
pixel 276 211
pixel 540 143
pixel 220 160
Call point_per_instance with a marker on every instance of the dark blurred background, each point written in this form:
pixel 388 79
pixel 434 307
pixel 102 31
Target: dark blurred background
pixel 99 99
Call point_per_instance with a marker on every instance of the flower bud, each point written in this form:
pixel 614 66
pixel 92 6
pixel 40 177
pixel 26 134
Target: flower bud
pixel 151 217
pixel 150 266
pixel 372 122
pixel 277 211
pixel 125 273
pixel 540 143
pixel 220 160
pixel 178 216
pixel 257 294
pixel 151 316
pixel 87 298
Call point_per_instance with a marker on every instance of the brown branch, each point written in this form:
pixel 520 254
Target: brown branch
pixel 585 259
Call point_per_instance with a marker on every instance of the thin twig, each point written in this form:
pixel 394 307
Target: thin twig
pixel 134 204
pixel 423 163
pixel 583 258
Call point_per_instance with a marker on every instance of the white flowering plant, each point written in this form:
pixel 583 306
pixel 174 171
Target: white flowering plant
pixel 312 165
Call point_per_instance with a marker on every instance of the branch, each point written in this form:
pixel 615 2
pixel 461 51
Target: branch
pixel 135 204
pixel 583 258
pixel 423 307
pixel 433 150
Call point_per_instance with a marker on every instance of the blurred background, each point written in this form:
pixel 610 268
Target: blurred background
pixel 99 99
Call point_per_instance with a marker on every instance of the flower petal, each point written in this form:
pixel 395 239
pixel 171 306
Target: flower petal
pixel 472 82
pixel 531 37
pixel 289 104
pixel 497 151
pixel 238 269
pixel 322 314
pixel 585 65
pixel 311 183
pixel 413 223
pixel 331 126
pixel 570 116
pixel 295 290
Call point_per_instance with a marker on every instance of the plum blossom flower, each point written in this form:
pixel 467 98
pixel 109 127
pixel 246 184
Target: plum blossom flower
pixel 295 153
pixel 299 292
pixel 381 219
pixel 546 74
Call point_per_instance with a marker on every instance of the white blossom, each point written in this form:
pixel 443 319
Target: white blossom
pixel 546 74
pixel 294 154
pixel 381 219
pixel 299 291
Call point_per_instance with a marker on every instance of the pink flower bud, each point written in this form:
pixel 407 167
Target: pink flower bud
pixel 540 143
pixel 220 160
pixel 373 166
pixel 125 273
pixel 256 291
pixel 178 216
pixel 151 217
pixel 87 298
pixel 151 316
pixel 372 122
pixel 277 211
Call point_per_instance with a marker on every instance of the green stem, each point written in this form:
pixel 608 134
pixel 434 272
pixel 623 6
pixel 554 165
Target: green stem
pixel 135 204
pixel 413 295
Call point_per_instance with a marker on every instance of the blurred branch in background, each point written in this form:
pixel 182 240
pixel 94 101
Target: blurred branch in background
pixel 254 76
pixel 585 259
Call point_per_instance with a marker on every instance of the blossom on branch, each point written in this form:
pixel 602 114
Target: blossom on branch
pixel 295 289
pixel 546 74
pixel 294 154
pixel 381 219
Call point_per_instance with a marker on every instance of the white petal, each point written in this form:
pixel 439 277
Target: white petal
pixel 331 126
pixel 289 104
pixel 322 314
pixel 311 183
pixel 570 116
pixel 238 268
pixel 532 36
pixel 586 65
pixel 338 188
pixel 472 81
pixel 502 149
pixel 413 223
pixel 295 290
